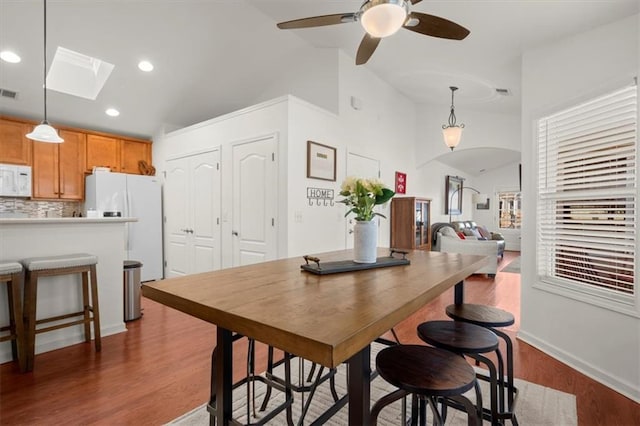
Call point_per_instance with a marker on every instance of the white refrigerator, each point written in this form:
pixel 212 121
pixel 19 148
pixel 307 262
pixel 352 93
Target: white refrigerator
pixel 138 197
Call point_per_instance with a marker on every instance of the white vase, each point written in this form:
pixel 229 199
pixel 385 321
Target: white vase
pixel 365 241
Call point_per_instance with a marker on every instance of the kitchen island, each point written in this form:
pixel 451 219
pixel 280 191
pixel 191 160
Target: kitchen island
pixel 104 237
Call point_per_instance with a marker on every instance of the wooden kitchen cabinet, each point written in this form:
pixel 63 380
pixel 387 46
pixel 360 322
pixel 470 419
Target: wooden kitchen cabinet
pixel 120 155
pixel 103 151
pixel 131 153
pixel 58 169
pixel 15 147
pixel 411 223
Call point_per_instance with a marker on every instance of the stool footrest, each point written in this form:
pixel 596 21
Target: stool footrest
pixel 56 327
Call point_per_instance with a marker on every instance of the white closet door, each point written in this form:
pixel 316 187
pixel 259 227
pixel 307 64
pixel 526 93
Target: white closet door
pixel 205 206
pixel 192 207
pixel 176 207
pixel 255 197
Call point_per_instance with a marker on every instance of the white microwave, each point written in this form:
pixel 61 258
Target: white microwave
pixel 15 181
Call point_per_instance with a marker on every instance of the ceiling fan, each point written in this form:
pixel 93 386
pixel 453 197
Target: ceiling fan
pixel 382 18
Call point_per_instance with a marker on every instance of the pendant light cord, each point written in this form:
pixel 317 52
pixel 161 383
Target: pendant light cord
pixel 44 65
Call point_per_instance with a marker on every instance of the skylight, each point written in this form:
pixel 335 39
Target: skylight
pixel 77 74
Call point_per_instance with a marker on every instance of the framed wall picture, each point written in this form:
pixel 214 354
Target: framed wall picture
pixel 486 205
pixel 453 199
pixel 321 161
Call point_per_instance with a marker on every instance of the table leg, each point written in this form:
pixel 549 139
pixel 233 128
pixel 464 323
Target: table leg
pixel 458 293
pixel 224 373
pixel 359 387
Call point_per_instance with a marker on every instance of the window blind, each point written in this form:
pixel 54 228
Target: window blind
pixel 587 194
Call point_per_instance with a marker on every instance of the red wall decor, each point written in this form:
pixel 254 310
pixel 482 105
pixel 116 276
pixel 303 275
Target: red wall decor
pixel 401 183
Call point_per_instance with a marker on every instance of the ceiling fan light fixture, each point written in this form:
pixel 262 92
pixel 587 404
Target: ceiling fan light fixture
pixel 451 131
pixel 382 18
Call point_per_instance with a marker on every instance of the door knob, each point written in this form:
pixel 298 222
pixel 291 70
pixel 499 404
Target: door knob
pixel 234 233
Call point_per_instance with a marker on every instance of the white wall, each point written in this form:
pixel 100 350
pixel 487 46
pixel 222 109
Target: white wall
pixel 482 130
pixel 491 182
pixel 603 344
pixel 313 77
pixel 259 120
pixel 384 128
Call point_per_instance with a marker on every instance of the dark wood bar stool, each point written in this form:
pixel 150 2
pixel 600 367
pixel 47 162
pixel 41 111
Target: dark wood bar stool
pixel 429 374
pixel 473 341
pixel 78 263
pixel 492 318
pixel 11 274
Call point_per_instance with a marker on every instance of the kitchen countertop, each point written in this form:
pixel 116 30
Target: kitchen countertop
pixel 64 220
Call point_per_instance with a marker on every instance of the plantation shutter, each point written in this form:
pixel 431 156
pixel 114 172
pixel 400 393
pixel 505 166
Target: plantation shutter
pixel 587 194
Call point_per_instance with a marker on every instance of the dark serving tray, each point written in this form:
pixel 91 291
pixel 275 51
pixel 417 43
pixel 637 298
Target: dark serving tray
pixel 325 268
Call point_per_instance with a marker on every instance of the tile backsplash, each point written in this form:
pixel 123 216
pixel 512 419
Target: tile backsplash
pixel 36 208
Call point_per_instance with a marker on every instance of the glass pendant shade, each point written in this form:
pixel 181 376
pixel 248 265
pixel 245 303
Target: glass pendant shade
pixel 383 18
pixel 45 133
pixel 452 136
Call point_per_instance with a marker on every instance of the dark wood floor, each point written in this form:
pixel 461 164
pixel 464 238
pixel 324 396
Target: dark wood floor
pixel 159 369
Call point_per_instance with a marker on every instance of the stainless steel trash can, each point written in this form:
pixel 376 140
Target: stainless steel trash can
pixel 132 290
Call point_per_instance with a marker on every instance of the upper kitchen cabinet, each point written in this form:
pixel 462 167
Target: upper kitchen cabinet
pixel 15 148
pixel 131 153
pixel 103 151
pixel 58 169
pixel 118 154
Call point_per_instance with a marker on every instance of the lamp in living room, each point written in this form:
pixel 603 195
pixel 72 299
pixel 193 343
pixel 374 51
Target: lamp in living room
pixel 478 197
pixel 451 131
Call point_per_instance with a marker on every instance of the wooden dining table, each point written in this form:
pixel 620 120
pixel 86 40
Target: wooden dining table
pixel 328 319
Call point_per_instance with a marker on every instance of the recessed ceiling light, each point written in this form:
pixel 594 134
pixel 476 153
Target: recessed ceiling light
pixel 9 56
pixel 145 66
pixel 112 112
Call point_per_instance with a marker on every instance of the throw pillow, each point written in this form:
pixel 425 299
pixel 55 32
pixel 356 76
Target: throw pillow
pixel 484 232
pixel 475 233
pixel 461 235
pixel 449 232
pixel 468 232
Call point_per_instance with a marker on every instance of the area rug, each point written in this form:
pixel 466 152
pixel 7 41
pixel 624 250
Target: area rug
pixel 536 406
pixel 513 266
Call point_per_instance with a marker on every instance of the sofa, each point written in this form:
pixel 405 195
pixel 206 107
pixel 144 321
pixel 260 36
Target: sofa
pixel 470 230
pixel 446 239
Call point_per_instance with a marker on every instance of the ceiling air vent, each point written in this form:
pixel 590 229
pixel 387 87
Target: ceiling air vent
pixel 5 93
pixel 503 92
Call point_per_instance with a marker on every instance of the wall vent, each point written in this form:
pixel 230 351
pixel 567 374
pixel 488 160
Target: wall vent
pixel 503 92
pixel 5 93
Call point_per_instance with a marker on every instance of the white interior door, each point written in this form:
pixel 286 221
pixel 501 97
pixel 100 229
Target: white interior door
pixel 364 167
pixel 192 208
pixel 254 201
pixel 176 207
pixel 205 209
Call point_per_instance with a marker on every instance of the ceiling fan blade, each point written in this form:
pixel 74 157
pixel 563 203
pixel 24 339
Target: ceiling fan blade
pixel 415 1
pixel 318 21
pixel 435 26
pixel 367 47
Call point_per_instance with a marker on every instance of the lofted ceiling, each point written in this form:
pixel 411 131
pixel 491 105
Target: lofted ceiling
pixel 215 56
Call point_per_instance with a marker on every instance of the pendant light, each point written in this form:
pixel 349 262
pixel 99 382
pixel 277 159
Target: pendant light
pixel 43 132
pixel 451 131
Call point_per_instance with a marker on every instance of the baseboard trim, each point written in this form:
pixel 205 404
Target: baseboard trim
pixel 68 340
pixel 617 384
